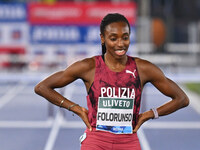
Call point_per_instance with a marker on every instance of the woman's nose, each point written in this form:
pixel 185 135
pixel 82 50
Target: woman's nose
pixel 120 42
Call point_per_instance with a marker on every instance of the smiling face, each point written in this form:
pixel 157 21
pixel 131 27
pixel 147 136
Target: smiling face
pixel 116 39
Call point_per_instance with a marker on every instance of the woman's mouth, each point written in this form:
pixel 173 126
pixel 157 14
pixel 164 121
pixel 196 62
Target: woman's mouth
pixel 120 52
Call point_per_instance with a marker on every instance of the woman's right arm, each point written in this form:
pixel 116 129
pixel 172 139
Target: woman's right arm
pixel 81 69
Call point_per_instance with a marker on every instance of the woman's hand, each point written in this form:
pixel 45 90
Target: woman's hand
pixel 143 117
pixel 84 116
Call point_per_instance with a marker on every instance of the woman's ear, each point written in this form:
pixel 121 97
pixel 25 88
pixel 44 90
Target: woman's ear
pixel 102 39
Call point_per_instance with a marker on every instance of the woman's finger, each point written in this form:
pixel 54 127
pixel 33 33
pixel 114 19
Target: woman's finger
pixel 85 118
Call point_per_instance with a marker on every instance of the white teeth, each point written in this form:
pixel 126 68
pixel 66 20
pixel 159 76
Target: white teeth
pixel 120 52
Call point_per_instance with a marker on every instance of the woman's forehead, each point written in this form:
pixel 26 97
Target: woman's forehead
pixel 116 27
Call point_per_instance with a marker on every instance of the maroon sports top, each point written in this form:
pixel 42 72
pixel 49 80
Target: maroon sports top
pixel 120 84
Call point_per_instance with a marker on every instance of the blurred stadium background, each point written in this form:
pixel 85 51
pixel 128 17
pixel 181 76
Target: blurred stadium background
pixel 39 37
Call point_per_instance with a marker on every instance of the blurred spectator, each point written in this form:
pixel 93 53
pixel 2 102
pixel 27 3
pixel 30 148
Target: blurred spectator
pixel 177 14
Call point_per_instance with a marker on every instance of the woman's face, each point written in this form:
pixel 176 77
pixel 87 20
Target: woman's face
pixel 116 38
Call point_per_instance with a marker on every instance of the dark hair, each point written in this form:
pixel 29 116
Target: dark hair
pixel 108 19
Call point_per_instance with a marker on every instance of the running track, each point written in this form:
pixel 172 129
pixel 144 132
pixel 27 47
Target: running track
pixel 28 122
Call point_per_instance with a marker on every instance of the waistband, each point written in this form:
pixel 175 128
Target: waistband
pixel 109 134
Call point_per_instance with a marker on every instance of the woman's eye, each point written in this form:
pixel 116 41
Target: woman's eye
pixel 112 39
pixel 126 38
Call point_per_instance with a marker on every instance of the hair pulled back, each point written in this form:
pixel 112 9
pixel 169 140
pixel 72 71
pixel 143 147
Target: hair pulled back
pixel 108 19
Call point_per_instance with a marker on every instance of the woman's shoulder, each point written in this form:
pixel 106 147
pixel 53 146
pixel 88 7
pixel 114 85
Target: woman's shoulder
pixel 81 68
pixel 142 62
pixel 84 64
pixel 88 62
pixel 147 70
pixel 145 66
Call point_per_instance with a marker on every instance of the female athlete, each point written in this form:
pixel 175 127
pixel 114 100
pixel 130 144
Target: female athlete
pixel 114 82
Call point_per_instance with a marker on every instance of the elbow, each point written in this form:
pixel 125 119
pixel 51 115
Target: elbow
pixel 185 101
pixel 38 89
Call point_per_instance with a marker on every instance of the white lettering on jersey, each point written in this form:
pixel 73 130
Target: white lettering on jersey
pixel 122 92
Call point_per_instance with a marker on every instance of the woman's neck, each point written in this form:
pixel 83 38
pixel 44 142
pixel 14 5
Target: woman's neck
pixel 115 64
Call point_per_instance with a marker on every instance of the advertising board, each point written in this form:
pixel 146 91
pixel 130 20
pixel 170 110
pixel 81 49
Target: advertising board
pixel 81 13
pixel 13 12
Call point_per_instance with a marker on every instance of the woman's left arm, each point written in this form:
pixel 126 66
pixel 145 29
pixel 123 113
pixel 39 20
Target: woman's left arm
pixel 151 73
